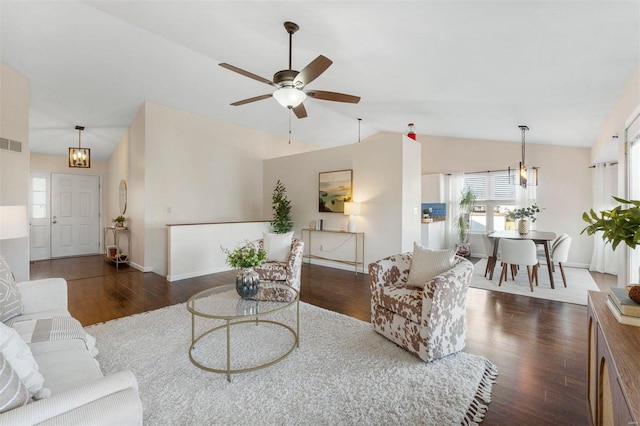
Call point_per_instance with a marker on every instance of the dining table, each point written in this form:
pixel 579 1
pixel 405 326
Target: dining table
pixel 538 237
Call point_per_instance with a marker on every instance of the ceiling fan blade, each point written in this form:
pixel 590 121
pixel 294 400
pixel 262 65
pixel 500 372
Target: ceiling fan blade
pixel 256 98
pixel 248 74
pixel 333 96
pixel 312 71
pixel 300 111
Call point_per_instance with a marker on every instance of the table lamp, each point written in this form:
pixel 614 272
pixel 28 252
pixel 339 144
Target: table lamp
pixel 352 209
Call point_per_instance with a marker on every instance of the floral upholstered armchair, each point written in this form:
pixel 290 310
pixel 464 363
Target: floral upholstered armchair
pixel 287 272
pixel 428 322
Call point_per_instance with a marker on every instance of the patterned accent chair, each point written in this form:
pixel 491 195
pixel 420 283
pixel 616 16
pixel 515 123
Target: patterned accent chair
pixel 284 272
pixel 428 322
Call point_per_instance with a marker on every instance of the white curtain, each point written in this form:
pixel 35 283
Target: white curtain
pixel 604 187
pixel 453 186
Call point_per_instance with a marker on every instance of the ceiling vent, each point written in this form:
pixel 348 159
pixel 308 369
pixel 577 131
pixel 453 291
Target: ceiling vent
pixel 10 145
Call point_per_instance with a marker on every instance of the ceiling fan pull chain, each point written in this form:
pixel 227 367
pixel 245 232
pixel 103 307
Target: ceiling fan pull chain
pixel 290 125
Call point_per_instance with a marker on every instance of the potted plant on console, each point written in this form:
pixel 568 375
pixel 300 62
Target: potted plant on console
pixel 245 258
pixel 120 221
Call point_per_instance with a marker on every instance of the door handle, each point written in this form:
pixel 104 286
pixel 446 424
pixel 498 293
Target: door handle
pixel 54 220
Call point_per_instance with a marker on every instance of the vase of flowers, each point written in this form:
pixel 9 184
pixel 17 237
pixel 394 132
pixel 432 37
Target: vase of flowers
pixel 245 259
pixel 523 216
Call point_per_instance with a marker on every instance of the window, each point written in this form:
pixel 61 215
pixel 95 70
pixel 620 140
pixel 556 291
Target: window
pixel 39 198
pixel 495 197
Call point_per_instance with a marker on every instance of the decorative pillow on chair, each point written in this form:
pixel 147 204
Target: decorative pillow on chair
pixel 278 246
pixel 10 299
pixel 19 355
pixel 13 393
pixel 427 263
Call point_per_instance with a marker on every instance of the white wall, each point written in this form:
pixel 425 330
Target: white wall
pixel 564 190
pixel 628 102
pixel 379 183
pixel 195 250
pixel 187 168
pixel 14 167
pixel 411 193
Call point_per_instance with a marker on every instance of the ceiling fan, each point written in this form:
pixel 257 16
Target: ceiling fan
pixel 290 83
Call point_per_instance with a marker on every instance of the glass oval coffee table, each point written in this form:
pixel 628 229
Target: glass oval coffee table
pixel 223 311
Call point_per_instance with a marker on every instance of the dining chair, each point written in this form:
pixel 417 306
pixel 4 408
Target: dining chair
pixel 560 253
pixel 488 249
pixel 519 252
pixel 552 244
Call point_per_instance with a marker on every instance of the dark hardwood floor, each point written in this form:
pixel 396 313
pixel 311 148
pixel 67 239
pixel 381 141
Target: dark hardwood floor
pixel 540 346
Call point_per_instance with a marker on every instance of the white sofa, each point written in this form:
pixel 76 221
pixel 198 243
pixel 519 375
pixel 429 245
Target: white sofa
pixel 80 393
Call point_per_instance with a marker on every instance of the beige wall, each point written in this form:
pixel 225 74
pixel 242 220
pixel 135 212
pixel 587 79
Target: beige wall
pixel 627 102
pixel 411 193
pixel 187 168
pixel 381 181
pixel 14 167
pixel 564 191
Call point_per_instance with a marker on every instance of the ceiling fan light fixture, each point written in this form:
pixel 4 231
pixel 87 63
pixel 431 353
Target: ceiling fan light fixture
pixel 289 97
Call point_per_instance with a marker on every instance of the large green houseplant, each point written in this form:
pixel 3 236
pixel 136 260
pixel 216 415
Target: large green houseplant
pixel 281 206
pixel 618 225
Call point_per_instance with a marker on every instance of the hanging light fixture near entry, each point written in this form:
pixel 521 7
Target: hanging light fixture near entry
pixel 526 176
pixel 79 157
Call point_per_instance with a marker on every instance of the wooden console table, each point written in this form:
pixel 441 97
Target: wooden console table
pixel 613 389
pixel 358 256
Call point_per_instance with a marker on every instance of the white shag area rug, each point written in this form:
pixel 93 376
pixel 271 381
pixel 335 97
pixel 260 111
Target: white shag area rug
pixel 579 282
pixel 343 373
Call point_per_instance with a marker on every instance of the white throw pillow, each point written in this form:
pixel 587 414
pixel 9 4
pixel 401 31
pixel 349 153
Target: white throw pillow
pixel 10 299
pixel 13 393
pixel 278 246
pixel 427 263
pixel 19 355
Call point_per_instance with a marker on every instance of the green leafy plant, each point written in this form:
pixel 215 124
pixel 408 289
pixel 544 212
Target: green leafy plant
pixel 120 219
pixel 618 225
pixel 281 207
pixel 246 256
pixel 524 213
pixel 463 221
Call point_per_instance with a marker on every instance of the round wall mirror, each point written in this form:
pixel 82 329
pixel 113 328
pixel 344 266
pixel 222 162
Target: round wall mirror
pixel 123 196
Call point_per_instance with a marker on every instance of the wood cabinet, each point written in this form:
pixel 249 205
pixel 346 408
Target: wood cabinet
pixel 613 388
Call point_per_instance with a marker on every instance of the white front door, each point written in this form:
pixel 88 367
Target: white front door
pixel 39 200
pixel 75 215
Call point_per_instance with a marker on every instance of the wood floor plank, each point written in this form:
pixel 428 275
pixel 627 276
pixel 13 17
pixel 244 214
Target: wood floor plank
pixel 538 345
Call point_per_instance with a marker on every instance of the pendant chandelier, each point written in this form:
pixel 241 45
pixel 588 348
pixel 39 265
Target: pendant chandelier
pixel 79 157
pixel 526 176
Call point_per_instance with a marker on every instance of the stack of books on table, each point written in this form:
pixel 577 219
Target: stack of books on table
pixel 623 308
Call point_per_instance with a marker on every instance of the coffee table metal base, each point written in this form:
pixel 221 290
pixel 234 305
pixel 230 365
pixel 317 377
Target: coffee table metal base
pixel 229 323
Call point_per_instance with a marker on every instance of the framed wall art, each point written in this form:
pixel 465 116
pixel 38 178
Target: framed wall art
pixel 334 189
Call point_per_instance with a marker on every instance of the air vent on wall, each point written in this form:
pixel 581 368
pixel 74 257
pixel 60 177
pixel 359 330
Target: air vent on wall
pixel 10 145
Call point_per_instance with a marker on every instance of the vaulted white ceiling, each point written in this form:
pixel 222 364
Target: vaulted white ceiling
pixel 474 69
